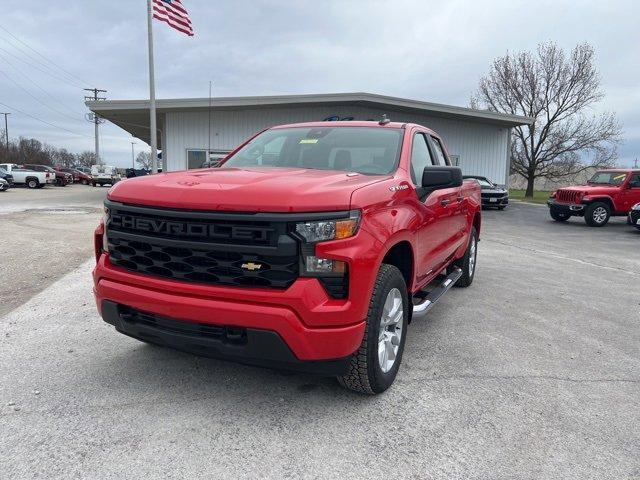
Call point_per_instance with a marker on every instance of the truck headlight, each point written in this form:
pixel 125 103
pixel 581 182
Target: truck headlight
pixel 324 230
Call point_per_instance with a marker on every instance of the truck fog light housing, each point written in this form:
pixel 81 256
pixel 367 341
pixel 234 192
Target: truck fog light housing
pixel 317 265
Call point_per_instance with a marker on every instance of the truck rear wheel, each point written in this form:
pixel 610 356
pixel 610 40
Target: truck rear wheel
pixel 32 182
pixel 374 366
pixel 468 262
pixel 597 214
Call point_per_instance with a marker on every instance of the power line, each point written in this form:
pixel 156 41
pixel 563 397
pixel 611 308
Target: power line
pixel 37 99
pixel 44 57
pixel 75 85
pixel 27 77
pixel 45 122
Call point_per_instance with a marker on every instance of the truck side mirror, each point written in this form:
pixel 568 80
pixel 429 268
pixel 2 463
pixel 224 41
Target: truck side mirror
pixel 437 177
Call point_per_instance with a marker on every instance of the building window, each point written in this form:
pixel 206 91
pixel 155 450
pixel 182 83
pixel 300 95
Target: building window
pixel 197 158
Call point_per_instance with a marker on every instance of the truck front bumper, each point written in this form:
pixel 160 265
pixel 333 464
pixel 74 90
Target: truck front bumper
pixel 255 326
pixel 566 208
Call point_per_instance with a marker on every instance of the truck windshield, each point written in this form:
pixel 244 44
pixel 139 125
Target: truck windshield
pixel 366 150
pixel 608 178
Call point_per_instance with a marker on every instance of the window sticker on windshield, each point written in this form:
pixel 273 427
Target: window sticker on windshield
pixel 620 177
pixel 309 140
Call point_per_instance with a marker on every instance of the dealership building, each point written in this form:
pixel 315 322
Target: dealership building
pixel 190 130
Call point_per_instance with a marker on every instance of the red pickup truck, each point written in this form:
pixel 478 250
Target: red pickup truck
pixel 311 247
pixel 608 193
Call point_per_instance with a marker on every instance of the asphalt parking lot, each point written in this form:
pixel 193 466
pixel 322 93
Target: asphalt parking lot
pixel 532 372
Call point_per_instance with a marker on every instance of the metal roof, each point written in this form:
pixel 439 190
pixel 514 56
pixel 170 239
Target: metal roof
pixel 133 115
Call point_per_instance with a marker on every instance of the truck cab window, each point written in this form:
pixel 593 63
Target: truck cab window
pixel 439 151
pixel 420 157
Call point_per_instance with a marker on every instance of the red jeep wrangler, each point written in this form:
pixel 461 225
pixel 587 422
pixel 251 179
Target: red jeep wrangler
pixel 310 247
pixel 607 193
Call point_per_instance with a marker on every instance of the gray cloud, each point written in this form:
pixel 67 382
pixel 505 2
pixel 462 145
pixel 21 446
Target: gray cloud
pixel 434 51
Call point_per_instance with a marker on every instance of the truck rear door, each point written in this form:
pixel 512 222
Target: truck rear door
pixel 452 200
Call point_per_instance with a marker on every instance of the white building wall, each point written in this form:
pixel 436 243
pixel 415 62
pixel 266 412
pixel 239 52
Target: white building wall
pixel 482 148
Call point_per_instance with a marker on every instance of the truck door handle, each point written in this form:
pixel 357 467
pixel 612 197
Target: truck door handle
pixel 444 202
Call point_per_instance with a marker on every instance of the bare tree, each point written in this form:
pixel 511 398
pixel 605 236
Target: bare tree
pixel 558 92
pixel 86 159
pixel 144 160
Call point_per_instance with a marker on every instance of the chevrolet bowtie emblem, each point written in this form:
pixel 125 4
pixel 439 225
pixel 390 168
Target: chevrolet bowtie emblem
pixel 251 266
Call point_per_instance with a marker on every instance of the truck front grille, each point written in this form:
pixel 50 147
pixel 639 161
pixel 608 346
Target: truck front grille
pixel 239 250
pixel 566 196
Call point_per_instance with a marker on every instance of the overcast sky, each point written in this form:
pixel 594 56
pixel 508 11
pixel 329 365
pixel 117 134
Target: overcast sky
pixel 432 51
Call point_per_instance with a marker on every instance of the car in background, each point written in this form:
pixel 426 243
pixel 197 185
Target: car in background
pixel 6 176
pixel 136 172
pixel 62 179
pixel 30 178
pixel 634 216
pixel 4 185
pixel 608 193
pixel 492 195
pixel 104 175
pixel 78 176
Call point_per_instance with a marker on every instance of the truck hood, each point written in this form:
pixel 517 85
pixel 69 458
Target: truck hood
pixel 251 189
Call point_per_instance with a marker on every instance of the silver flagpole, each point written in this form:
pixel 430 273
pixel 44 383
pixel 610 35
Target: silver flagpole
pixel 152 93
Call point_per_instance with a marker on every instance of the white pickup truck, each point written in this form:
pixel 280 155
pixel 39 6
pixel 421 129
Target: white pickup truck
pixel 104 174
pixel 30 178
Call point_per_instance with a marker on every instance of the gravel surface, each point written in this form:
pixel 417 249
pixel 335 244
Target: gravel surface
pixel 532 372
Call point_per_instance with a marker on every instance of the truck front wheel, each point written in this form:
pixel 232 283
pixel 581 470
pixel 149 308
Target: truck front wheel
pixel 557 216
pixel 597 214
pixel 374 366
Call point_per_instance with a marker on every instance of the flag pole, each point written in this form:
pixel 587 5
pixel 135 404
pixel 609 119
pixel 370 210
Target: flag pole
pixel 152 93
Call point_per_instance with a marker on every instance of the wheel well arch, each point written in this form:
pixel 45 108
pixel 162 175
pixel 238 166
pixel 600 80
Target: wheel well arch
pixel 401 256
pixel 607 200
pixel 477 223
pixel 31 178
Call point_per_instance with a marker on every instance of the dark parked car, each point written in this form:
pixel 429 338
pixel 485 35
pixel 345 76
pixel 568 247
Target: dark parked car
pixel 78 176
pixel 492 195
pixel 6 176
pixel 136 172
pixel 634 216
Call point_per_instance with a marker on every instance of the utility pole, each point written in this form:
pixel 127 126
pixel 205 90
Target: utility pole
pixel 133 160
pixel 6 132
pixel 635 162
pixel 94 118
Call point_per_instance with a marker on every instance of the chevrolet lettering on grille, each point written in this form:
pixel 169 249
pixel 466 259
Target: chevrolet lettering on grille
pixel 189 229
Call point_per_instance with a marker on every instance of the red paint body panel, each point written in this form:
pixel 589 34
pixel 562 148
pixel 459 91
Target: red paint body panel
pixel 314 325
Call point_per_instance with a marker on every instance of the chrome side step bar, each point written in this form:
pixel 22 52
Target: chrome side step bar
pixel 420 309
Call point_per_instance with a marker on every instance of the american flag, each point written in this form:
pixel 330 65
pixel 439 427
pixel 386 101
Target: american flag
pixel 173 13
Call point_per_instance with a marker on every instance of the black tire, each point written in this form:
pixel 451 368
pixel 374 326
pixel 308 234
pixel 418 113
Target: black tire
pixel 501 208
pixel 32 182
pixel 365 373
pixel 85 182
pixel 93 184
pixel 468 262
pixel 597 214
pixel 557 216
